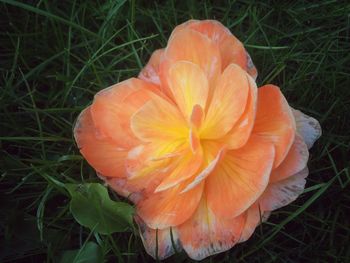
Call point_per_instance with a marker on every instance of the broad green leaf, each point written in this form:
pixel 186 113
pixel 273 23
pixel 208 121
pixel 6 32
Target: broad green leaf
pixel 88 253
pixel 91 207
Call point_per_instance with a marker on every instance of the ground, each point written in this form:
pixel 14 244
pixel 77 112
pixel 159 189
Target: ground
pixel 55 55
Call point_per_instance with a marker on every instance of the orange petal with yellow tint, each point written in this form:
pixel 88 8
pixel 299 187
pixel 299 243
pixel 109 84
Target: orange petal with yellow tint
pixel 192 46
pixel 205 233
pixel 159 243
pixel 101 152
pixel 169 207
pixel 213 152
pixel 231 49
pixel 113 107
pixel 241 131
pixel 151 71
pixel 240 178
pixel 159 120
pixel 145 158
pixel 197 116
pixel 204 173
pixel 294 162
pixel 184 167
pixel 228 103
pixel 147 166
pixel 188 85
pixel 274 121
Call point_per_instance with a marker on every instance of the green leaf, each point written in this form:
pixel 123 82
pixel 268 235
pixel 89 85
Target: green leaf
pixel 88 253
pixel 91 207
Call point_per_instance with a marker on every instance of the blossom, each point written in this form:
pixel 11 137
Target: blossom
pixel 200 150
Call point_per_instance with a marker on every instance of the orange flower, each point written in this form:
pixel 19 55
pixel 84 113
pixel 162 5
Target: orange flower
pixel 202 152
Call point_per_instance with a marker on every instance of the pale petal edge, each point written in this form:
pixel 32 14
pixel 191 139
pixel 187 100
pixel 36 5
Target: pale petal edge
pixel 308 127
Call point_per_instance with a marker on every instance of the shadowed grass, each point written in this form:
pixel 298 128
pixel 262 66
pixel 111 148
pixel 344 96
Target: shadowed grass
pixel 57 54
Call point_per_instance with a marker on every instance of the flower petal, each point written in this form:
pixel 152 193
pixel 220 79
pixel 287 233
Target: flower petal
pixel 184 167
pixel 113 107
pixel 158 119
pixel 137 188
pixel 145 158
pixel 119 185
pixel 188 85
pixel 159 243
pixel 213 29
pixel 198 49
pixel 294 162
pixel 308 127
pixel 197 116
pixel 231 49
pixel 241 131
pixel 228 103
pixel 240 178
pixel 204 173
pixel 283 192
pixel 151 71
pixel 274 121
pixel 206 234
pixel 276 195
pixel 254 217
pixel 101 152
pixel 169 207
pixel 146 166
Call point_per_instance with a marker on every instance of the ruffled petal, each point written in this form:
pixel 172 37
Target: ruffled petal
pixel 213 29
pixel 158 119
pixel 159 243
pixel 148 157
pixel 283 192
pixel 228 103
pixel 241 131
pixel 147 175
pixel 308 127
pixel 231 49
pixel 274 121
pixel 169 207
pixel 206 171
pixel 101 152
pixel 206 234
pixel 113 107
pixel 184 167
pixel 197 49
pixel 146 166
pixel 151 71
pixel 189 86
pixel 294 162
pixel 240 178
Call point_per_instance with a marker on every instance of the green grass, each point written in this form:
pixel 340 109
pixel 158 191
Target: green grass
pixel 55 55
